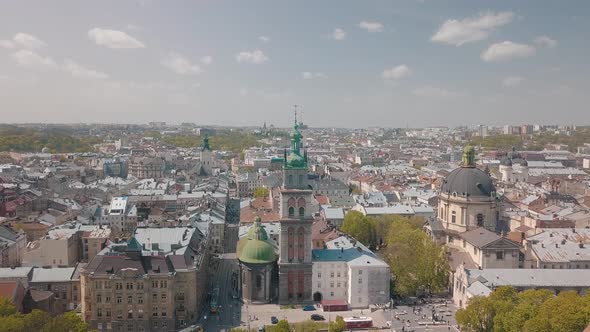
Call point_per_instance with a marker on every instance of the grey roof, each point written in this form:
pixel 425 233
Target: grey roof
pixel 334 213
pixel 559 245
pixel 17 272
pixel 468 181
pixel 506 161
pixel 56 274
pixel 530 277
pixel 480 237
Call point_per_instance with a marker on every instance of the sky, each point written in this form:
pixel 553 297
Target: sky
pixel 396 63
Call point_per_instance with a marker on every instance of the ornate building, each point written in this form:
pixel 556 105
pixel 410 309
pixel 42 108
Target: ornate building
pixel 258 270
pixel 514 168
pixel 295 270
pixel 467 200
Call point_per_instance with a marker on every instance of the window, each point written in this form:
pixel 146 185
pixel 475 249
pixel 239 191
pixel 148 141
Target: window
pixel 360 280
pixel 130 327
pixel 140 299
pixel 163 284
pixel 164 324
pixel 301 212
pixel 98 298
pixel 129 285
pixel 140 285
pixel 99 312
pixel 453 217
pixel 360 272
pixel 119 300
pixel 291 211
pixel 480 220
pixel 129 299
pixel 331 293
pixel 155 312
pixel 163 313
pixel 163 297
pixel 120 314
pixel 338 284
pixel 332 274
pixel 119 285
pixel 290 179
pixel 107 299
pixel 129 314
pixel 499 255
pixel 108 313
pixel 331 284
pixel 319 285
pixel 154 284
pixel 319 274
pixel 154 297
pixel 338 274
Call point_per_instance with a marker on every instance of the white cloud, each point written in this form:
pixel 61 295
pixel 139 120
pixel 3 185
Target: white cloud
pixel 264 39
pixel 434 92
pixel 180 65
pixel 256 57
pixel 471 29
pixel 32 60
pixel 81 72
pixel 6 44
pixel 339 34
pixel 207 60
pixel 546 41
pixel 512 81
pixel 113 39
pixel 371 26
pixel 507 50
pixel 27 41
pixel 396 73
pixel 309 75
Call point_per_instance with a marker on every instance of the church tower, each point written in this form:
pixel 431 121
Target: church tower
pixel 295 226
pixel 206 157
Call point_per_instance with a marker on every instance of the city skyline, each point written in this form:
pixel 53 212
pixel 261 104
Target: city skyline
pixel 348 64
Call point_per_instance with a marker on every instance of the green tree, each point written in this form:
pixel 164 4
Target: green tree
pixel 6 307
pixel 261 192
pixel 566 312
pixel 418 264
pixel 477 316
pixel 35 320
pixel 338 325
pixel 69 321
pixel 360 227
pixel 282 326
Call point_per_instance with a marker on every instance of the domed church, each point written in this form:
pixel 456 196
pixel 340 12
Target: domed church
pixel 467 200
pixel 258 271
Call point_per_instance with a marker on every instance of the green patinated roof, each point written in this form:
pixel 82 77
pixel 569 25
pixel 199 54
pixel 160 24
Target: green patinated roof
pixel 133 244
pixel 255 247
pixel 295 159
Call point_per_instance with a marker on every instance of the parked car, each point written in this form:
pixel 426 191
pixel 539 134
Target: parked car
pixel 274 320
pixel 309 308
pixel 317 317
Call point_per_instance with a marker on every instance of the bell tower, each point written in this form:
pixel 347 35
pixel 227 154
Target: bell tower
pixel 295 225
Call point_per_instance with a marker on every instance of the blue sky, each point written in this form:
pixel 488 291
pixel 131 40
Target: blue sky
pixel 348 63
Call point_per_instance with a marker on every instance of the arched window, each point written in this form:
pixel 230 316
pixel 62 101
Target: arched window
pixel 291 241
pixel 290 179
pixel 291 211
pixel 301 202
pixel 258 281
pixel 301 212
pixel 480 219
pixel 300 244
pixel 291 279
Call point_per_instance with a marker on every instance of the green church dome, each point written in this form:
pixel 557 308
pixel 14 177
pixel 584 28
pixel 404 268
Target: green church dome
pixel 255 247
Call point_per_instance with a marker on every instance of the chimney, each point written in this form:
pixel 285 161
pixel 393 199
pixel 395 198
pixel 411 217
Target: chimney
pixel 581 244
pixel 556 245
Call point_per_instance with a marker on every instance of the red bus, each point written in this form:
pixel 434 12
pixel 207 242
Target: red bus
pixel 358 322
